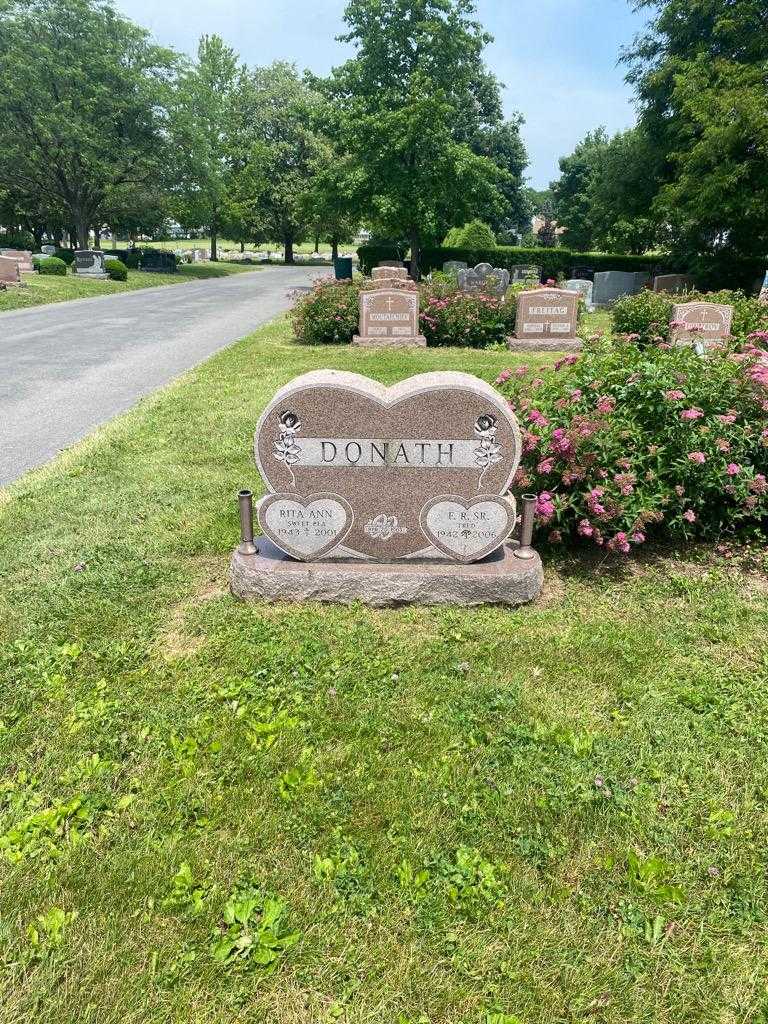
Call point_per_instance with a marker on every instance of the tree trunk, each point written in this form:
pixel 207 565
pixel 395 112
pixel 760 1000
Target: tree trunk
pixel 317 243
pixel 242 247
pixel 288 243
pixel 38 231
pixel 97 237
pixel 81 233
pixel 415 254
pixel 334 248
pixel 214 251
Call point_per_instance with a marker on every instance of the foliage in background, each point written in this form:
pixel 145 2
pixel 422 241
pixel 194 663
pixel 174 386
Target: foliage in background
pixel 82 95
pixel 626 443
pixel 474 235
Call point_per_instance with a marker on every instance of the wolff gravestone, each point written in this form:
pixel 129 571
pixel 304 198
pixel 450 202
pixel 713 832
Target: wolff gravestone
pixel 388 495
pixel 546 320
pixel 700 323
pixel 91 263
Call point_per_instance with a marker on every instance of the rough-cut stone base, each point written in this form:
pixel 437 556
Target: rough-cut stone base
pixel 548 345
pixel 414 342
pixel 92 277
pixel 501 578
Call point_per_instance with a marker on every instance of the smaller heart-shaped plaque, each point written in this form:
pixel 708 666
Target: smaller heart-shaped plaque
pixel 468 529
pixel 305 528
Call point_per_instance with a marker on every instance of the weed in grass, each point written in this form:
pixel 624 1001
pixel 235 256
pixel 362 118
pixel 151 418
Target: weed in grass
pixel 252 934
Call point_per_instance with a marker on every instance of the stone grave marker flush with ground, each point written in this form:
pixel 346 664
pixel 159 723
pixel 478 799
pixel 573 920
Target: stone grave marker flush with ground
pixel 546 320
pixel 388 495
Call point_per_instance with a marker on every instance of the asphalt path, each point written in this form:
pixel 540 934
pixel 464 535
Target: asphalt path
pixel 67 367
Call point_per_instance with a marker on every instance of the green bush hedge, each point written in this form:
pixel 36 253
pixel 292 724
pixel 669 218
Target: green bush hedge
pixel 50 266
pixel 67 255
pixel 116 269
pixel 646 315
pixel 708 271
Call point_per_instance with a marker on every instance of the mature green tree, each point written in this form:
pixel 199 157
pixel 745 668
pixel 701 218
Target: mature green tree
pixel 700 75
pixel 286 152
pixel 503 145
pixel 206 129
pixel 413 99
pixel 573 192
pixel 82 97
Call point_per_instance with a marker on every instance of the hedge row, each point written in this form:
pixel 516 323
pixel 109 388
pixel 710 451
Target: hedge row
pixel 708 271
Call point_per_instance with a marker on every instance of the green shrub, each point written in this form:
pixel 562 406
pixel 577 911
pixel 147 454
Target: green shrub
pixel 116 270
pixel 475 235
pixel 623 443
pixel 646 316
pixel 67 255
pixel 23 240
pixel 328 314
pixel 50 266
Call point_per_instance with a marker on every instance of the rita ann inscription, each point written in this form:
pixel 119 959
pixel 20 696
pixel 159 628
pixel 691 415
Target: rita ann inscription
pixel 446 434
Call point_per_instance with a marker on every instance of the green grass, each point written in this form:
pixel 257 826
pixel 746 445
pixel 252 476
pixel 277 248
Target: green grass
pixel 41 290
pixel 552 815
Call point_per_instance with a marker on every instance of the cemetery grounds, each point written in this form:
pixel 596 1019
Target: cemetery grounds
pixel 38 290
pixel 219 812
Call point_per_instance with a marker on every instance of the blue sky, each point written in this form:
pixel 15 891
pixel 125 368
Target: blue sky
pixel 557 58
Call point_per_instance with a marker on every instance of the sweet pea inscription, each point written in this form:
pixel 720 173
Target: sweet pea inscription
pixel 446 434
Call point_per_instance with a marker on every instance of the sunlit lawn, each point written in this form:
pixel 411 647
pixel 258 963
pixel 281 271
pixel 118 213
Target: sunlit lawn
pixel 38 290
pixel 554 814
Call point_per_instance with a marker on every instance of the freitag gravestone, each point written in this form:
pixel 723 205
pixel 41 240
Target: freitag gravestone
pixel 700 323
pixel 546 320
pixel 387 495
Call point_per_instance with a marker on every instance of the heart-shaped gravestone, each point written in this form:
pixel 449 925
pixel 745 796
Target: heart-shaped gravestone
pixel 468 529
pixel 305 528
pixel 387 451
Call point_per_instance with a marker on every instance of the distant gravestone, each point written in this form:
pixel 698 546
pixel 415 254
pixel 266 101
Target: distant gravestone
pixel 158 261
pixel 454 266
pixel 610 285
pixel 484 279
pixel 389 274
pixel 547 320
pixel 525 272
pixel 389 318
pixel 390 495
pixel 673 283
pixel 91 263
pixel 700 323
pixel 391 263
pixel 9 271
pixel 763 299
pixel 49 250
pixel 583 287
pixel 22 256
pixel 583 273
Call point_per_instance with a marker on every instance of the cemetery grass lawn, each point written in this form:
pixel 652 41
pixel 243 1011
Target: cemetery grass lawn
pixel 552 814
pixel 43 290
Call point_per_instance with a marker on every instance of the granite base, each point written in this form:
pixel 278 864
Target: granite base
pixel 544 345
pixel 419 341
pixel 500 579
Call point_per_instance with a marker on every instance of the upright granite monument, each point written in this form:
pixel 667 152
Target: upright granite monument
pixel 583 286
pixel 610 285
pixel 546 320
pixel 389 311
pixel 700 323
pixel 484 278
pixel 673 283
pixel 388 495
pixel 763 297
pixel 9 271
pixel 91 263
pixel 22 256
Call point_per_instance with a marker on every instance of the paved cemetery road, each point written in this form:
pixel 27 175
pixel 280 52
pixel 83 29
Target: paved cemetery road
pixel 67 367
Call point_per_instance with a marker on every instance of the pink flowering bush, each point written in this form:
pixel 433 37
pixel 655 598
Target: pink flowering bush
pixel 623 444
pixel 328 313
pixel 451 317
